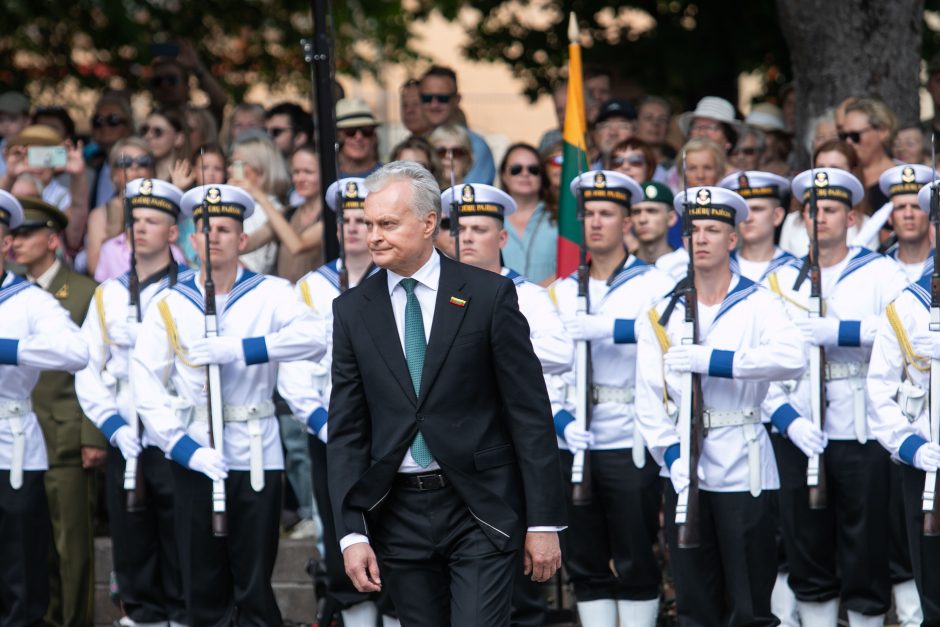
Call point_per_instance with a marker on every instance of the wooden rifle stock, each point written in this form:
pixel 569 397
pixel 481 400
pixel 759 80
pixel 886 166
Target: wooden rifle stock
pixel 931 506
pixel 816 466
pixel 581 493
pixel 688 531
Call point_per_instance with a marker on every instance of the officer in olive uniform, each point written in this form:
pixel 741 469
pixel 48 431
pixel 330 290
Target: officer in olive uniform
pixel 73 443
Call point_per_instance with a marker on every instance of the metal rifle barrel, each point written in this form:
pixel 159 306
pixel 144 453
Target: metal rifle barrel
pixel 931 505
pixel 816 467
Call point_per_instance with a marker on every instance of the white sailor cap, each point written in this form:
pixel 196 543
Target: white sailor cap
pixel 11 211
pixel 906 178
pixel 830 184
pixel 154 194
pixel 353 191
pixel 226 201
pixel 923 196
pixel 477 199
pixel 712 203
pixel 756 184
pixel 607 185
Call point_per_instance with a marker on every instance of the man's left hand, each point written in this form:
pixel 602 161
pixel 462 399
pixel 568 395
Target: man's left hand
pixel 542 555
pixel 92 456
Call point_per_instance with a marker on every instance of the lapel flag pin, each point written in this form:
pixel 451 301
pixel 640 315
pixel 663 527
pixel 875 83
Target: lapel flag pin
pixel 458 301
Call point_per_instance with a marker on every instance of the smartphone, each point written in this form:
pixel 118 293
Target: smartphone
pixel 166 50
pixel 46 156
pixel 238 169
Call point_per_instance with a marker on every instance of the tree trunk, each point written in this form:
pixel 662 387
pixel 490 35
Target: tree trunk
pixel 842 48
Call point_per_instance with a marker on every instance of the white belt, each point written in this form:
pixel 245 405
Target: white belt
pixel 836 371
pixel 624 396
pixel 252 415
pixel 748 419
pixel 855 372
pixel 13 412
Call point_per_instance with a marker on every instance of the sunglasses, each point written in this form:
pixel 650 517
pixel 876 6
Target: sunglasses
pixel 169 80
pixel 747 151
pixel 275 131
pixel 441 98
pixel 457 152
pixel 157 131
pixel 349 133
pixel 516 169
pixel 143 161
pixel 854 137
pixel 112 119
pixel 634 160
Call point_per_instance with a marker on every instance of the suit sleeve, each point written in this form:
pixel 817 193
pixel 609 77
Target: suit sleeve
pixel 348 444
pixel 529 413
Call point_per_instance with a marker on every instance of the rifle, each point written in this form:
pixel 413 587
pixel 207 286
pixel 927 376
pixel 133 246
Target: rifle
pixel 816 468
pixel 341 238
pixel 134 482
pixel 931 506
pixel 213 385
pixel 581 493
pixel 692 410
pixel 454 208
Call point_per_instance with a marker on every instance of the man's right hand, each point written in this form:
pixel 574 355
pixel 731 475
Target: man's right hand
pixel 126 442
pixel 806 437
pixel 362 568
pixel 209 462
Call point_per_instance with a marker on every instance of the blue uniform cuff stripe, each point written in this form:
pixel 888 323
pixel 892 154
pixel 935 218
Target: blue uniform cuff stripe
pixel 850 333
pixel 111 425
pixel 783 417
pixel 624 331
pixel 256 351
pixel 671 455
pixel 317 419
pixel 909 448
pixel 8 350
pixel 562 419
pixel 721 364
pixel 183 451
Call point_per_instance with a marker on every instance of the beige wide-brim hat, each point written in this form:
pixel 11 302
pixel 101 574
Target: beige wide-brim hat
pixel 354 112
pixel 713 108
pixel 767 117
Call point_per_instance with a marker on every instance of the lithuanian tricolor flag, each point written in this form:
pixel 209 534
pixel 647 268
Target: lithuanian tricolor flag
pixel 570 232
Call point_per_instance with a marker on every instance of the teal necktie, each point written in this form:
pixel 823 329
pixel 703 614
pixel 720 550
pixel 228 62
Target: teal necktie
pixel 415 347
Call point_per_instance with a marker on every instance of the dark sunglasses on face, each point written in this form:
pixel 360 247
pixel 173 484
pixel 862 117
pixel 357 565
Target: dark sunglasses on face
pixel 143 161
pixel 275 131
pixel 146 129
pixel 169 80
pixel 634 160
pixel 441 98
pixel 458 152
pixel 854 137
pixel 112 119
pixel 516 169
pixel 349 133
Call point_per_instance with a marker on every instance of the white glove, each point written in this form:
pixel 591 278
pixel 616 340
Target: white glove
pixel 577 438
pixel 216 350
pixel 124 335
pixel 679 474
pixel 126 442
pixel 819 331
pixel 927 457
pixel 589 327
pixel 209 462
pixel 688 358
pixel 927 344
pixel 321 434
pixel 806 437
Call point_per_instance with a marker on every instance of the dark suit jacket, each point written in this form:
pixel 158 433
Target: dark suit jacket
pixel 63 424
pixel 482 407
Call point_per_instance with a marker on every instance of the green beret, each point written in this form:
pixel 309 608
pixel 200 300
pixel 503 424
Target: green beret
pixel 654 191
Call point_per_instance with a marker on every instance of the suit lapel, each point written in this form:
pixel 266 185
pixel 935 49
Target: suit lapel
pixel 447 319
pixel 380 322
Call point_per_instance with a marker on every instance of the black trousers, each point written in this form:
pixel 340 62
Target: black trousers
pixel 25 535
pixel 726 581
pixel 529 608
pixel 146 557
pixel 925 551
pixel 227 581
pixel 842 550
pixel 438 565
pixel 899 553
pixel 618 527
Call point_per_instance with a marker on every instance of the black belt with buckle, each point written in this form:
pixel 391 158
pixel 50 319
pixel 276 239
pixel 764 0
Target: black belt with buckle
pixel 427 481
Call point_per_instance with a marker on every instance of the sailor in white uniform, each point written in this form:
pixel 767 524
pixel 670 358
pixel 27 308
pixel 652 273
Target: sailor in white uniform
pixel 260 323
pixel 620 524
pixel 908 218
pixel 745 340
pixel 37 334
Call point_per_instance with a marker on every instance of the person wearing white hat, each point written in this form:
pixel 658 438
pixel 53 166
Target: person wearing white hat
pixel 37 334
pixel 909 219
pixel 358 154
pixel 260 323
pixel 745 341
pixel 620 524
pixel 767 118
pixel 146 564
pixel 898 384
pixel 713 118
pixel 830 551
pixel 483 210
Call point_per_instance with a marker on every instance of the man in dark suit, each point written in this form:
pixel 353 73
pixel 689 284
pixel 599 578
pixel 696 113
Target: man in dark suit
pixel 441 451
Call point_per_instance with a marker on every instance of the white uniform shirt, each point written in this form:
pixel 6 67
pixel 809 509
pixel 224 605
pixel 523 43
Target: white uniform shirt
pixel 37 334
pixel 102 387
pixel 758 271
pixel 274 327
pixel 675 264
pixel 754 341
pixel 914 270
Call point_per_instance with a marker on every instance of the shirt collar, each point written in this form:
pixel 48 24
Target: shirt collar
pixel 429 275
pixel 45 279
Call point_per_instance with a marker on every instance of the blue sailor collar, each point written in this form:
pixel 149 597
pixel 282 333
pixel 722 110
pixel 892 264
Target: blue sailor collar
pixel 781 258
pixel 921 290
pixel 14 285
pixel 633 267
pixel 330 272
pixel 741 288
pixel 194 292
pixel 517 279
